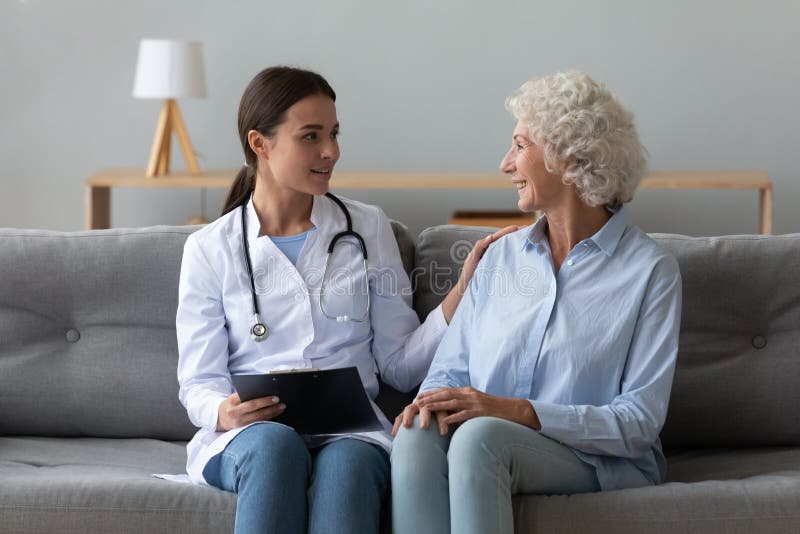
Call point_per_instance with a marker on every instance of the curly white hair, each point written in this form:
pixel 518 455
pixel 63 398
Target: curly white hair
pixel 587 135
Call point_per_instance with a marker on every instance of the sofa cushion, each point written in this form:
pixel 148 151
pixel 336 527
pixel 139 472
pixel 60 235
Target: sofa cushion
pixel 439 255
pixel 405 243
pixel 736 383
pixel 87 333
pixel 697 465
pixel 762 495
pixel 93 485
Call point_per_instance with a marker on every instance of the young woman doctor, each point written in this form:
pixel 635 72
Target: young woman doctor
pixel 255 297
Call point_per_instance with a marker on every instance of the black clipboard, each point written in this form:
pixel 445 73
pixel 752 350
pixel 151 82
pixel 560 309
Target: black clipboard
pixel 331 401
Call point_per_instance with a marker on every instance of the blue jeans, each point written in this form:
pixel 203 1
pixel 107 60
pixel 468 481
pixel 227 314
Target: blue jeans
pixel 282 486
pixel 463 482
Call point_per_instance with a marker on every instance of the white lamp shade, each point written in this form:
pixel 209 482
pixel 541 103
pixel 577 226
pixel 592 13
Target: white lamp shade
pixel 170 68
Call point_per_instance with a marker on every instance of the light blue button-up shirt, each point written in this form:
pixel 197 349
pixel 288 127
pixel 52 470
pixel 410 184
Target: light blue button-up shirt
pixel 592 347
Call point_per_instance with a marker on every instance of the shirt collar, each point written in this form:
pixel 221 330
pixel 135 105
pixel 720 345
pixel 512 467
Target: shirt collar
pixel 253 224
pixel 318 212
pixel 318 209
pixel 536 235
pixel 606 239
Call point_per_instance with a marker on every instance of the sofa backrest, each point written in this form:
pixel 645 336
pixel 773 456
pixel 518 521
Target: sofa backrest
pixel 736 383
pixel 738 368
pixel 438 256
pixel 87 331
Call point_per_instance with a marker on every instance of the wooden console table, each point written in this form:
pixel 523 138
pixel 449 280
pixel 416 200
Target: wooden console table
pixel 98 186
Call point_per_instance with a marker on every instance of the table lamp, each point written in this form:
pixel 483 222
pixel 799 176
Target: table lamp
pixel 170 69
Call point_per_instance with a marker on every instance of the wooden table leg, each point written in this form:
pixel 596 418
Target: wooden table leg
pixel 97 213
pixel 765 210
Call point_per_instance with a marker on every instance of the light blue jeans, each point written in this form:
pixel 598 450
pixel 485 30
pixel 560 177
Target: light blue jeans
pixel 282 486
pixel 463 482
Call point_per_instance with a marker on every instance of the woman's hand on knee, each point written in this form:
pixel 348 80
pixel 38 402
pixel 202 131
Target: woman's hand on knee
pixel 406 419
pixel 461 404
pixel 233 413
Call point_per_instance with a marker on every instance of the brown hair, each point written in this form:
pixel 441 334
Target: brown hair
pixel 263 108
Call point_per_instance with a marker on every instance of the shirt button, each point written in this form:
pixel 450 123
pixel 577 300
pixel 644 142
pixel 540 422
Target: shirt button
pixel 569 262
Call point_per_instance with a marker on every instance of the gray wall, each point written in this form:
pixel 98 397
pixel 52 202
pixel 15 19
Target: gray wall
pixel 713 84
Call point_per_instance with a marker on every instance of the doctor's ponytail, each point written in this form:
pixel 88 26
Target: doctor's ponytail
pixel 263 108
pixel 240 190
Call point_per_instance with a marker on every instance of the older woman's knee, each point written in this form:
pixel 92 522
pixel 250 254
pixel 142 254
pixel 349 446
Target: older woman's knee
pixel 477 440
pixel 411 441
pixel 417 449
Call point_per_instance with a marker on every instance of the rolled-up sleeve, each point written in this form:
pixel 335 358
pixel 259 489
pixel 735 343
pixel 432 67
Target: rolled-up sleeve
pixel 402 348
pixel 629 426
pixel 203 373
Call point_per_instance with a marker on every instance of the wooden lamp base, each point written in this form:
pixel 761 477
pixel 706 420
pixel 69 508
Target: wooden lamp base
pixel 169 119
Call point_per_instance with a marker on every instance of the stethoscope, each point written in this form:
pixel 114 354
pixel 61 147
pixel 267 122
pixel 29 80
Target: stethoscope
pixel 260 331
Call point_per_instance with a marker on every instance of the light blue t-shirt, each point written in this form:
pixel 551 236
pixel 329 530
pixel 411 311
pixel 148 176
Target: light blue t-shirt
pixel 291 245
pixel 593 347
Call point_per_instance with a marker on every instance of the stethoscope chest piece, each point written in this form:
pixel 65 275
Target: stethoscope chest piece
pixel 259 332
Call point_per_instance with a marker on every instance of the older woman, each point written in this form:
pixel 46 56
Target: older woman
pixel 555 374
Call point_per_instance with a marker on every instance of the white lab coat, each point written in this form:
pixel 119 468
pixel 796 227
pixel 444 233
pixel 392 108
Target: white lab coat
pixel 215 314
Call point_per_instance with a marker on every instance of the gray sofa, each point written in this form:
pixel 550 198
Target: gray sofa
pixel 89 409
